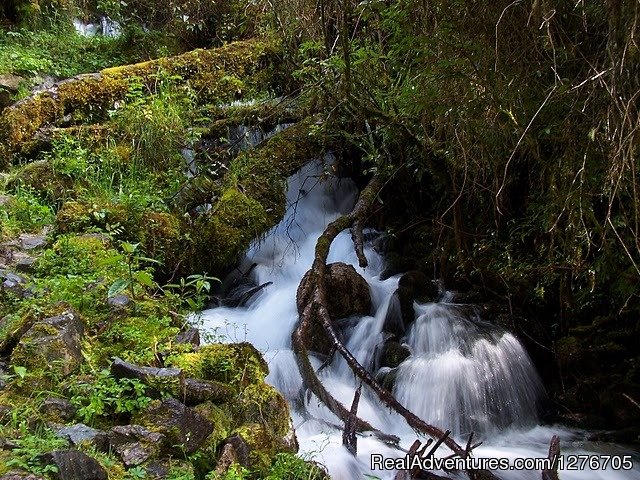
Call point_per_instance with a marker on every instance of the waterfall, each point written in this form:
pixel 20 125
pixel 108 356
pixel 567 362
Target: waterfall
pixel 463 373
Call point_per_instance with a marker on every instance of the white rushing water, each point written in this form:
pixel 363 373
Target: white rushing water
pixel 464 373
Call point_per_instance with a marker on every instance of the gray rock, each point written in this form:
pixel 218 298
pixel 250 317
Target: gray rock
pixel 5 200
pixel 157 470
pixel 25 263
pixel 9 85
pixel 158 379
pixel 32 242
pixel 133 454
pixel 82 434
pixel 11 82
pixel 234 450
pixel 185 429
pixel 58 409
pixel 52 341
pixel 20 475
pixel 123 434
pixel 12 281
pixel 118 301
pixel 191 335
pixel 196 391
pixel 135 444
pixel 74 465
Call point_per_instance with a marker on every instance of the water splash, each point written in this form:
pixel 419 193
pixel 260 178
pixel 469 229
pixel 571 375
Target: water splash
pixel 464 373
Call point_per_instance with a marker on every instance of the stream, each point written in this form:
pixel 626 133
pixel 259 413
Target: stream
pixel 464 373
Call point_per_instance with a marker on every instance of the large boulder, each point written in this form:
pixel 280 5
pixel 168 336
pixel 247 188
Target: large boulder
pixel 347 294
pixel 52 343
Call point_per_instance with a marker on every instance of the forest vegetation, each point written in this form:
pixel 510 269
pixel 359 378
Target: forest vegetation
pixel 502 139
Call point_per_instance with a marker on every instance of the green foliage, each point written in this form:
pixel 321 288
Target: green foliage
pixel 30 446
pixel 61 53
pixel 288 466
pixel 105 396
pixel 26 212
pixel 193 290
pixel 140 277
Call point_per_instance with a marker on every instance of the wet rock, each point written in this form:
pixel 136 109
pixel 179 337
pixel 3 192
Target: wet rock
pixel 82 434
pixel 419 286
pixel 119 301
pixel 412 286
pixel 393 354
pixel 197 391
pixel 32 242
pixel 348 292
pixel 234 450
pixel 58 409
pixel 191 335
pixel 387 377
pixel 182 426
pixel 52 342
pixel 348 295
pixel 74 465
pixel 159 379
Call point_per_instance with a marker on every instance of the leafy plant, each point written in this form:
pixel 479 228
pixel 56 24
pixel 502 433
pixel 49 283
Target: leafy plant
pixel 193 290
pixel 141 277
pixel 105 396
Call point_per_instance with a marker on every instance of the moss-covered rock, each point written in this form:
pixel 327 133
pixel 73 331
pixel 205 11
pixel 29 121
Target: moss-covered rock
pixel 263 444
pixel 263 404
pixel 237 364
pixel 41 177
pixel 52 343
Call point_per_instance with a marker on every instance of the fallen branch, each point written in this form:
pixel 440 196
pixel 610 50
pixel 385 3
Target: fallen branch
pixel 554 454
pixel 349 439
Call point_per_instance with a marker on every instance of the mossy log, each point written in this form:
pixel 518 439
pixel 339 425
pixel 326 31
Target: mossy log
pixel 220 74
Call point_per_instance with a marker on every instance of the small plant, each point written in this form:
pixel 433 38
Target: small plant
pixel 30 446
pixel 141 277
pixel 193 290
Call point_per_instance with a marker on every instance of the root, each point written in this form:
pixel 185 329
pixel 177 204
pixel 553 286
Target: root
pixel 316 310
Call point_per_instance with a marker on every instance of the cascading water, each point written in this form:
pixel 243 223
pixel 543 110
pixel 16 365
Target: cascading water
pixel 464 374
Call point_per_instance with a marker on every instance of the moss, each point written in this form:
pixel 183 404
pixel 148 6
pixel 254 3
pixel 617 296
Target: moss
pixel 74 216
pixel 41 177
pixel 263 445
pixel 163 239
pixel 226 231
pixel 238 364
pixel 263 404
pixel 222 422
